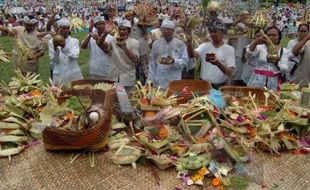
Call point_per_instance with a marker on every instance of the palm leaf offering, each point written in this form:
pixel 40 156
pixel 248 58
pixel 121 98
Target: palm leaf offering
pixel 77 23
pixel 305 16
pixel 146 13
pixel 206 137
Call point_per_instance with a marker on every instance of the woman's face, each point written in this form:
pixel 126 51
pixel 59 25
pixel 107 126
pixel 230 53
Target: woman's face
pixel 123 32
pixel 302 32
pixel 274 36
pixel 129 17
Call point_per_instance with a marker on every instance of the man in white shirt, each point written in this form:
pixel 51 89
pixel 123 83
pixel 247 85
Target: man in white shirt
pixel 125 55
pixel 218 58
pixel 28 38
pixel 100 58
pixel 161 74
pixel 64 56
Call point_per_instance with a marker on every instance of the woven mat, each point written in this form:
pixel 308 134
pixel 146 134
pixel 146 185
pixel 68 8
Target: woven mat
pixel 36 168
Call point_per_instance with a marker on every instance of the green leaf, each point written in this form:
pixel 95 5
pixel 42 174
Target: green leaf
pixel 49 110
pixel 204 3
pixel 74 104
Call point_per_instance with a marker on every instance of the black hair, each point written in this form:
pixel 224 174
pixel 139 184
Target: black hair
pixel 303 24
pixel 278 31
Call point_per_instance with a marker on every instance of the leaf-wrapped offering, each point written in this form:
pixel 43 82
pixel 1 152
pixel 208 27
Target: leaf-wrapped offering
pixel 126 155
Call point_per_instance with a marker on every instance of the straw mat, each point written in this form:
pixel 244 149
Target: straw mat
pixel 36 168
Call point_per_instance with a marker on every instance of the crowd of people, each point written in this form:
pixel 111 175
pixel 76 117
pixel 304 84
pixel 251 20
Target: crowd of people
pixel 124 50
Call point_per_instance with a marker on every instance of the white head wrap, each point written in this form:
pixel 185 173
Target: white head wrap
pixel 27 20
pixel 125 23
pixel 57 17
pixel 99 19
pixel 168 24
pixel 63 22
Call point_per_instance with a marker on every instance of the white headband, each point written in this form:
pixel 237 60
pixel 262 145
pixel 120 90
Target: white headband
pixel 63 22
pixel 99 19
pixel 168 24
pixel 125 23
pixel 27 20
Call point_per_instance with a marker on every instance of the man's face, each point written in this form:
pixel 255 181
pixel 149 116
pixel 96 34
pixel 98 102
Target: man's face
pixel 167 33
pixel 64 31
pixel 100 26
pixel 111 13
pixel 216 35
pixel 30 27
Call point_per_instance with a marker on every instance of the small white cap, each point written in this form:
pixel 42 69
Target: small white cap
pixel 168 24
pixel 125 23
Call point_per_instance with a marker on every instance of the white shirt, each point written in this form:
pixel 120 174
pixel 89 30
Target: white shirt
pixel 124 68
pixel 225 54
pixel 99 62
pixel 66 68
pixel 260 54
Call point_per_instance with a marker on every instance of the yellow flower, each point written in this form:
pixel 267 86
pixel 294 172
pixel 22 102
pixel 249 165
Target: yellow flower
pixel 35 93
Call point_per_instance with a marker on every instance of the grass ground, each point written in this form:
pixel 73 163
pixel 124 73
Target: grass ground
pixel 7 70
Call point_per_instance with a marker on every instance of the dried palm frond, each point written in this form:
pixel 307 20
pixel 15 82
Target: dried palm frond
pixel 146 13
pixel 4 56
pixel 103 86
pixel 274 144
pixel 23 52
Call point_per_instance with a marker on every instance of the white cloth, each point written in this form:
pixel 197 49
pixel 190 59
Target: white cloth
pixel 100 62
pixel 260 54
pixel 248 68
pixel 124 68
pixel 238 44
pixel 225 54
pixel 302 72
pixel 156 33
pixel 66 68
pixel 291 44
pixel 161 74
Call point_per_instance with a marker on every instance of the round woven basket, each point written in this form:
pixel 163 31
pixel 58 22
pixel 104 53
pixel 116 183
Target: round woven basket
pixel 241 92
pixel 196 87
pixel 94 138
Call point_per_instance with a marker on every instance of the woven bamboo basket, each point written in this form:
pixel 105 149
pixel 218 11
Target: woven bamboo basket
pixel 90 82
pixel 241 93
pixel 94 138
pixel 196 87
